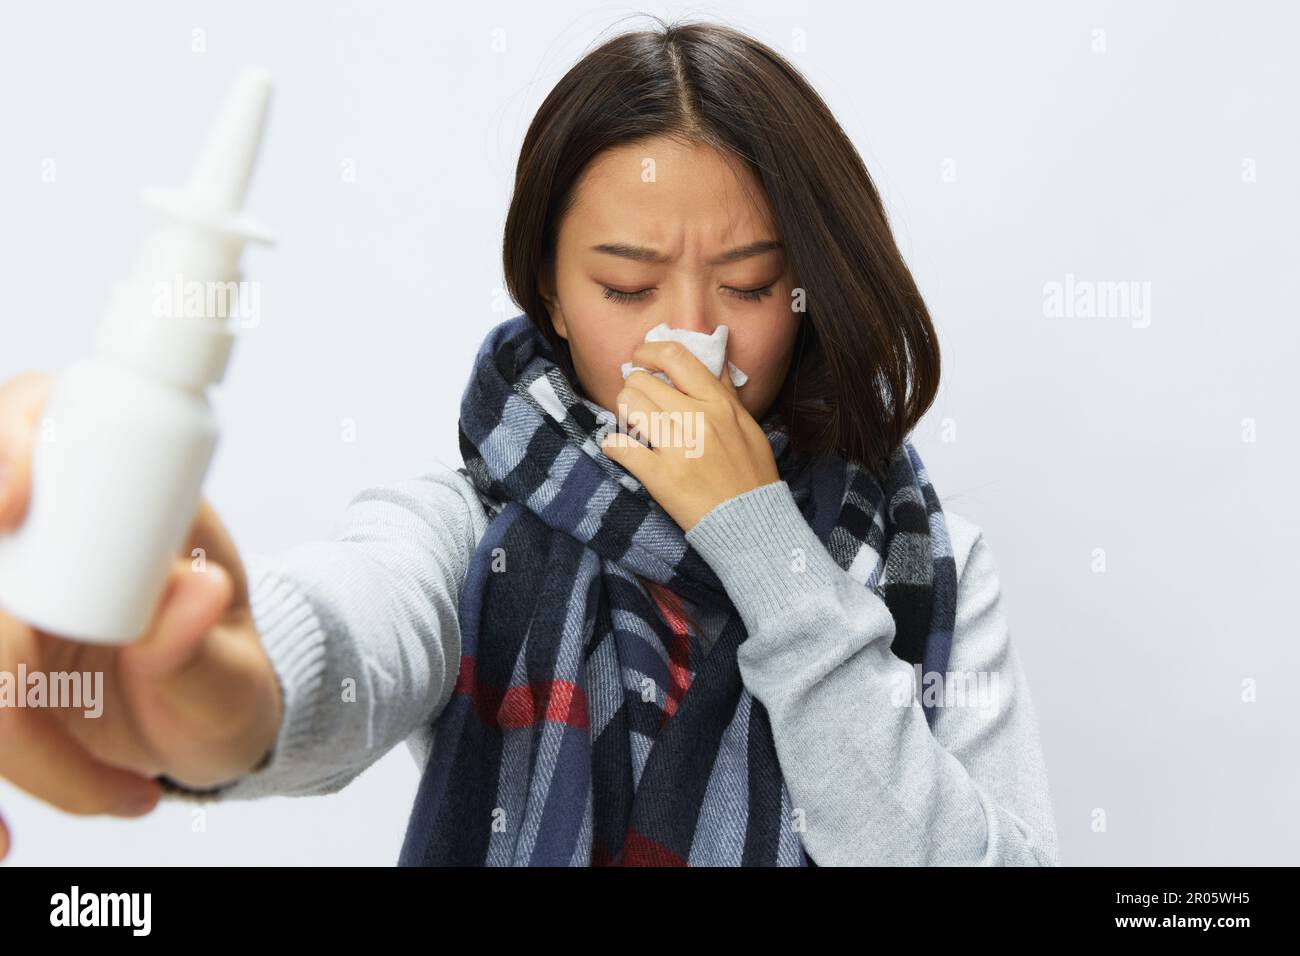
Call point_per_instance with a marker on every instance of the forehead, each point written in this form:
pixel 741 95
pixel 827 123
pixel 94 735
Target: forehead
pixel 656 189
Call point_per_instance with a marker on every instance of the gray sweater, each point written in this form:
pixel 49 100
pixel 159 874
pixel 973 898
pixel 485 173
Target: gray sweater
pixel 362 631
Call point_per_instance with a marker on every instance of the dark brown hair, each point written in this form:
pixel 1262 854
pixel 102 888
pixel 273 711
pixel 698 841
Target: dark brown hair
pixel 866 363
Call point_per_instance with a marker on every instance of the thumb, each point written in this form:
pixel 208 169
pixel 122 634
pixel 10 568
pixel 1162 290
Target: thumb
pixel 192 603
pixel 727 383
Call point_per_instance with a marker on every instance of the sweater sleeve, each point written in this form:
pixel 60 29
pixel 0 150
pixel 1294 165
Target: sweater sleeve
pixel 362 632
pixel 875 785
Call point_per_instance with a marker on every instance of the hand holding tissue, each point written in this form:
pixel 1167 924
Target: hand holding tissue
pixel 692 445
pixel 709 349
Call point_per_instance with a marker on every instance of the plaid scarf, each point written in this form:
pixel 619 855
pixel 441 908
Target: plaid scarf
pixel 570 738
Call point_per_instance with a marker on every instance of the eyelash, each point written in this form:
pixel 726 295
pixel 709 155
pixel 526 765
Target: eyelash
pixel 748 295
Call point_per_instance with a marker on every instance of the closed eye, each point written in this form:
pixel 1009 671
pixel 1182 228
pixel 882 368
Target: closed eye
pixel 748 295
pixel 751 295
pixel 619 296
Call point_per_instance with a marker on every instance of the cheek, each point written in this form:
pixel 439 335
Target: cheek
pixel 599 347
pixel 761 348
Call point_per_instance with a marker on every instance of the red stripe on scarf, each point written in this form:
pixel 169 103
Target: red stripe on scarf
pixel 519 706
pixel 640 850
pixel 679 649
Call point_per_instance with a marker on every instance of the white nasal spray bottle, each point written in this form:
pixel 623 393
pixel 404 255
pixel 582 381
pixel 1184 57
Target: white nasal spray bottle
pixel 126 436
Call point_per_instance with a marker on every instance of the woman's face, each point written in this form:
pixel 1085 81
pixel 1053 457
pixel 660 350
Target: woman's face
pixel 663 232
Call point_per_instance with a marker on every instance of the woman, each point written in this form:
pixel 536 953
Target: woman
pixel 699 645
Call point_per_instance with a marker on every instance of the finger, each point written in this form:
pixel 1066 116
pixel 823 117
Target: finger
pixel 39 756
pixel 727 383
pixel 193 602
pixel 21 400
pixel 631 454
pixel 688 373
pixel 209 535
pixel 672 407
pixel 4 839
pixel 199 661
pixel 636 410
pixel 659 391
pixel 666 410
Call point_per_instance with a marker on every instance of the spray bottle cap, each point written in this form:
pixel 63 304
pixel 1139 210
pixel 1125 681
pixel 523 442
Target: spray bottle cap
pixel 170 317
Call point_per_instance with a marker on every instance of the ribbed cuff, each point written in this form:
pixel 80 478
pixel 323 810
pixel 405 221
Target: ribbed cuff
pixel 295 643
pixel 764 551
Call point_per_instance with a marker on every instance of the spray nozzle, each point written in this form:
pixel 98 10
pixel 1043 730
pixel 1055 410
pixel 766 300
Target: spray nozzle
pixel 220 178
pixel 170 317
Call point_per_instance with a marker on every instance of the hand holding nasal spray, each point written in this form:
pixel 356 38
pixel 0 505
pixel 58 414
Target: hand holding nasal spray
pixel 128 434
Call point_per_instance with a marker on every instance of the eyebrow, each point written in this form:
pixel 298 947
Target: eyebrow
pixel 626 250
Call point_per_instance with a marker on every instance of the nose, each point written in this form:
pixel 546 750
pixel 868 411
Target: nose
pixel 692 316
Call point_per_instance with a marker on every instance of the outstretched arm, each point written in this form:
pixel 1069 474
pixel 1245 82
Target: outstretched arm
pixel 362 630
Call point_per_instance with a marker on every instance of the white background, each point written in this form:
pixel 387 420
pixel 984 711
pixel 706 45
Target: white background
pixel 1071 434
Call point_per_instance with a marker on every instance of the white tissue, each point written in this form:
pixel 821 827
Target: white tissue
pixel 709 349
